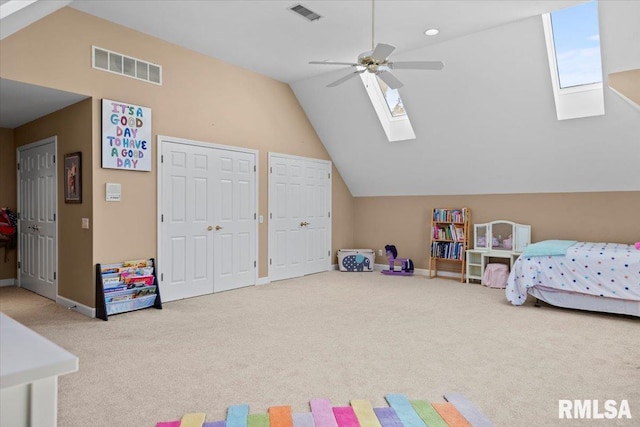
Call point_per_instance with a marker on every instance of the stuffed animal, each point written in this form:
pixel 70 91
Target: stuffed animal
pixel 638 246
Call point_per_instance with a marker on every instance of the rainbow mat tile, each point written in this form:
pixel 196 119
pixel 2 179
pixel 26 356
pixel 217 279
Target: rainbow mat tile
pixel 456 411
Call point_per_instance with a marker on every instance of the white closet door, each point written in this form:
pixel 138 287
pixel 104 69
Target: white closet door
pixel 286 214
pixel 37 224
pixel 235 220
pixel 208 224
pixel 187 247
pixel 299 216
pixel 317 216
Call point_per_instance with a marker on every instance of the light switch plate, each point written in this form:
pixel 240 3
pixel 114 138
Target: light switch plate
pixel 85 223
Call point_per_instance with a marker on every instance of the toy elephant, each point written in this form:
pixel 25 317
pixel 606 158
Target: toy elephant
pixel 356 262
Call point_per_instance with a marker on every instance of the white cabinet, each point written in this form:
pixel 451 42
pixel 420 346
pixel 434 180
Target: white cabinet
pixel 496 239
pixel 29 368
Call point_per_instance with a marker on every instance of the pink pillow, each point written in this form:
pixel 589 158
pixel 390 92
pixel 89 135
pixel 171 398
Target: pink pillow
pixel 638 245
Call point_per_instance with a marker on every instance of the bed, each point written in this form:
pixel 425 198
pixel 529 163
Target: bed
pixel 581 275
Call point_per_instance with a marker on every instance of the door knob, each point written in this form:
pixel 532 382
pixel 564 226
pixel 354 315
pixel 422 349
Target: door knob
pixel 304 224
pixel 209 228
pixel 218 227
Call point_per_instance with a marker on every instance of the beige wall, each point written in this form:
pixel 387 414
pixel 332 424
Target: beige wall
pixel 208 100
pixel 7 196
pixel 72 127
pixel 405 221
pixel 627 83
pixel 201 98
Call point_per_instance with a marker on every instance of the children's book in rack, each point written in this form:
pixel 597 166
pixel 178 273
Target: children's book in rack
pixel 126 286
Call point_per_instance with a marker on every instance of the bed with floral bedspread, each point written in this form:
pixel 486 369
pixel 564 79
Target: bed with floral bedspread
pixel 583 275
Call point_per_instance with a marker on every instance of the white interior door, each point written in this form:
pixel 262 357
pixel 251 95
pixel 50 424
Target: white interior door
pixel 299 216
pixel 235 220
pixel 208 226
pixel 187 213
pixel 37 208
pixel 317 214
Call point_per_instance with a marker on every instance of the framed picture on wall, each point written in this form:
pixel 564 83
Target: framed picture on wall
pixel 73 178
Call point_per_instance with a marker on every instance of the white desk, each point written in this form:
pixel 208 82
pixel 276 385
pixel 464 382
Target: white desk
pixel 477 261
pixel 29 368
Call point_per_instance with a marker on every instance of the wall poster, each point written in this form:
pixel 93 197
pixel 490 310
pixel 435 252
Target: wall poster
pixel 126 136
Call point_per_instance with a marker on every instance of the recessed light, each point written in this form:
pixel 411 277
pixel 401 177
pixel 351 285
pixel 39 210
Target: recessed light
pixel 432 31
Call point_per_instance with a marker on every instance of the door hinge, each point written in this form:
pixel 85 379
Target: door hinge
pixel 270 261
pixel 54 275
pixel 54 158
pixel 161 158
pixel 161 217
pixel 18 166
pixel 270 170
pixel 54 217
pixel 329 214
pixel 161 277
pixel 255 168
pixel 18 265
pixel 18 215
pixel 270 215
pixel 255 264
pixel 329 175
pixel 328 253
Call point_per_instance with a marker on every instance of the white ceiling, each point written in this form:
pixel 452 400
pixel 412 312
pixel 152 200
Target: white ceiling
pixel 264 35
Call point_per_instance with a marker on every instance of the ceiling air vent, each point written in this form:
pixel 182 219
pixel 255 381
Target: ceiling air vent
pixel 305 13
pixel 127 66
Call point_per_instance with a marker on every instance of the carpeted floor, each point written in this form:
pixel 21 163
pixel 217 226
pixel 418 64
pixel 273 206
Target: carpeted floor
pixel 340 336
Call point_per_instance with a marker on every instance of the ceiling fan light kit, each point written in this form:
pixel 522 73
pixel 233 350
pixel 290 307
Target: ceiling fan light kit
pixel 376 61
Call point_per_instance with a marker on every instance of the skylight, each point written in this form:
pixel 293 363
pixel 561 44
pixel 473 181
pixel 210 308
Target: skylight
pixel 389 108
pixel 573 50
pixel 576 40
pixel 392 98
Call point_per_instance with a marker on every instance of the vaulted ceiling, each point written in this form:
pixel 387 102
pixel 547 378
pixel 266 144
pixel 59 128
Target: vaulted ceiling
pixel 476 121
pixel 268 38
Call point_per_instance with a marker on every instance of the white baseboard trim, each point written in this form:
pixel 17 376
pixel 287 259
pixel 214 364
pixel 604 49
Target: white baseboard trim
pixel 76 306
pixel 8 282
pixel 378 267
pixel 263 281
pixel 420 271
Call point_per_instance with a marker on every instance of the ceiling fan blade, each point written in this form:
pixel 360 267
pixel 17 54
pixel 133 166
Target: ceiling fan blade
pixel 390 79
pixel 353 64
pixel 345 78
pixel 417 65
pixel 382 51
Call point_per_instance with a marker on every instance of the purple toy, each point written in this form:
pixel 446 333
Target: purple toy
pixel 405 264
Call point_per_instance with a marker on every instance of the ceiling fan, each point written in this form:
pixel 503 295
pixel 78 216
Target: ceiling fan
pixel 376 61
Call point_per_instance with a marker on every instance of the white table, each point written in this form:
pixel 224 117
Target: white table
pixel 29 368
pixel 477 260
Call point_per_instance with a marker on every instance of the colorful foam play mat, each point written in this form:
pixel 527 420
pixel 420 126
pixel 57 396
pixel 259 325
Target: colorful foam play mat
pixel 456 411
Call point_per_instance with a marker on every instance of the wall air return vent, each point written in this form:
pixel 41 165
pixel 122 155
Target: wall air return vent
pixel 106 60
pixel 305 13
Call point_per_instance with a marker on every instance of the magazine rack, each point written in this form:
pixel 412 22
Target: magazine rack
pixel 126 286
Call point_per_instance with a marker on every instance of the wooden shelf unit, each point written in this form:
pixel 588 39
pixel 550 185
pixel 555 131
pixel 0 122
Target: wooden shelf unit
pixel 449 238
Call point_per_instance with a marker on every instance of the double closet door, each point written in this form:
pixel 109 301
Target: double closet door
pixel 299 216
pixel 208 223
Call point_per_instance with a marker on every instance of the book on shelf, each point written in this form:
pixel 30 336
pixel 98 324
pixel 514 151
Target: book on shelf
pixel 128 294
pixel 138 263
pixel 134 280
